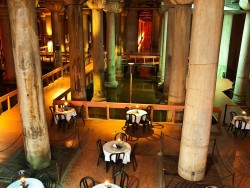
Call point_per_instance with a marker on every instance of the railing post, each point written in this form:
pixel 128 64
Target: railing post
pixel 225 112
pixel 1 108
pixel 107 111
pixel 8 103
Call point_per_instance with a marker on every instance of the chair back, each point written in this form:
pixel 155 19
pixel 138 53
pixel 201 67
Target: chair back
pixel 240 124
pixel 126 109
pixel 21 173
pixel 45 179
pixel 117 157
pixel 148 110
pixel 122 136
pixel 99 144
pixel 232 114
pixel 123 179
pixel 87 182
pixel 144 118
pixel 52 110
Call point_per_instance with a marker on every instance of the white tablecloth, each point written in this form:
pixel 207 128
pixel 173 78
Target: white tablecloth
pixel 246 118
pixel 102 185
pixel 68 113
pixel 138 113
pixel 33 183
pixel 108 149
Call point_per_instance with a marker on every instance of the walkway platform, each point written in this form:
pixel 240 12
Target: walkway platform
pixel 234 151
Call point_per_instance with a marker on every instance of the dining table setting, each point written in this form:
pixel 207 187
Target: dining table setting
pixel 65 110
pixel 138 114
pixel 242 117
pixel 26 183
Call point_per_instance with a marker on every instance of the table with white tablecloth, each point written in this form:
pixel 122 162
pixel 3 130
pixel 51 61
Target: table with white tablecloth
pixel 69 112
pixel 240 117
pixel 138 113
pixel 108 149
pixel 103 185
pixel 32 182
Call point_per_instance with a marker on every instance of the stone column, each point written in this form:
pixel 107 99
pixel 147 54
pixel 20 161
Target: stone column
pixel 242 76
pixel 181 37
pixel 156 26
pixel 55 6
pixel 85 19
pixel 162 62
pixel 225 43
pixel 23 21
pixel 171 12
pixel 63 26
pixel 132 31
pixel 123 30
pixel 201 83
pixel 111 8
pixel 97 50
pixel 8 59
pixel 76 58
pixel 118 42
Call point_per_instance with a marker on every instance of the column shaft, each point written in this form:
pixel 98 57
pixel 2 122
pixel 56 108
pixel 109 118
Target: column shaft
pixel 29 82
pixel 242 76
pixel 98 59
pixel 132 31
pixel 76 58
pixel 201 82
pixel 118 41
pixel 111 68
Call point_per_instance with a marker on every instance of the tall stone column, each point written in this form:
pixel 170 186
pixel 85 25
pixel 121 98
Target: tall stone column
pixel 118 44
pixel 85 19
pixel 201 83
pixel 132 31
pixel 156 27
pixel 63 27
pixel 29 83
pixel 242 76
pixel 111 8
pixel 123 30
pixel 181 37
pixel 163 44
pixel 8 59
pixel 97 50
pixel 76 58
pixel 171 12
pixel 225 43
pixel 55 6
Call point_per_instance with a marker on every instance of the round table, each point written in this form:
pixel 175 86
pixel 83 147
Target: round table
pixel 33 183
pixel 102 185
pixel 68 113
pixel 138 113
pixel 108 149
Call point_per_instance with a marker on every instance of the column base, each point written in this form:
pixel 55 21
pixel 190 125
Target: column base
pixel 40 167
pixel 112 84
pixel 239 99
pixel 98 98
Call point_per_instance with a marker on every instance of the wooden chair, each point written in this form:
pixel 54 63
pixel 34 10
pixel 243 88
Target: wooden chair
pixel 115 159
pixel 87 182
pixel 239 127
pixel 61 121
pixel 79 111
pixel 122 136
pixel 123 179
pixel 131 120
pixel 99 144
pixel 145 122
pixel 132 156
pixel 232 114
pixel 52 110
pixel 149 110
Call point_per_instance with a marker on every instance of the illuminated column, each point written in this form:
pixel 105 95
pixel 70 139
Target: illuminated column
pixel 76 58
pixel 55 6
pixel 8 59
pixel 29 83
pixel 132 31
pixel 86 34
pixel 111 8
pixel 163 40
pixel 201 83
pixel 225 43
pixel 97 50
pixel 181 37
pixel 169 50
pixel 242 76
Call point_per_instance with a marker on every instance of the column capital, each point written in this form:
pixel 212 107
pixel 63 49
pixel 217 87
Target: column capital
pixel 54 5
pixel 112 6
pixel 182 2
pixel 244 4
pixel 95 4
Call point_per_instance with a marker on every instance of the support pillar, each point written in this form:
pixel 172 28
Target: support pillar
pixel 55 6
pixel 169 50
pixel 76 58
pixel 118 41
pixel 201 83
pixel 225 44
pixel 8 59
pixel 111 8
pixel 97 50
pixel 181 37
pixel 85 20
pixel 132 31
pixel 242 76
pixel 23 21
